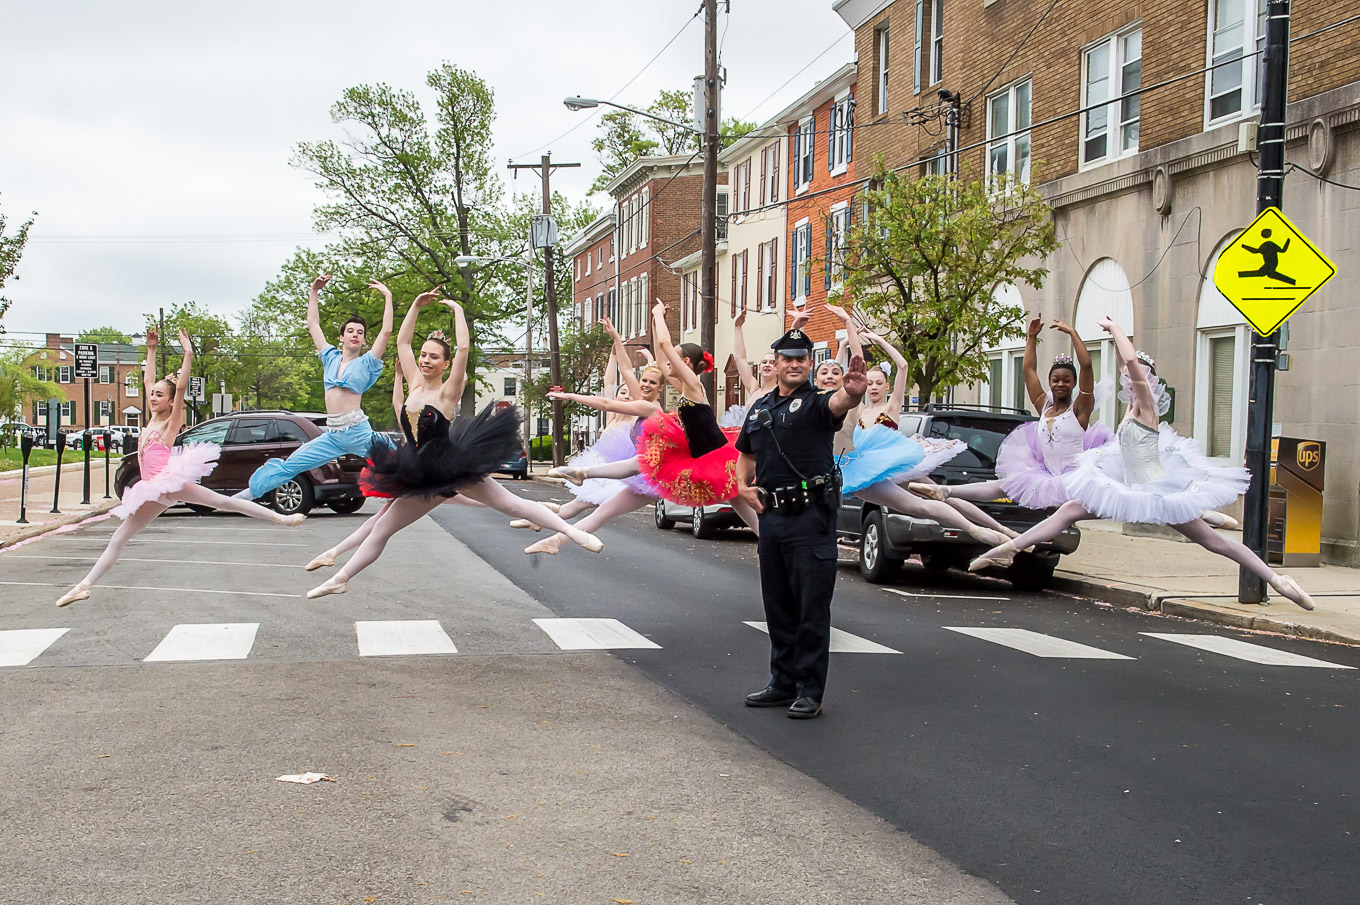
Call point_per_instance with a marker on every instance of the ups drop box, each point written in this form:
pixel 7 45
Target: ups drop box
pixel 1297 471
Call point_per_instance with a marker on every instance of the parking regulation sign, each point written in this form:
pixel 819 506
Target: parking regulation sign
pixel 195 389
pixel 87 360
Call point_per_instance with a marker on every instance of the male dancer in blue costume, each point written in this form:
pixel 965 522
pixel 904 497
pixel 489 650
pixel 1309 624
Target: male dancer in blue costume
pixel 348 372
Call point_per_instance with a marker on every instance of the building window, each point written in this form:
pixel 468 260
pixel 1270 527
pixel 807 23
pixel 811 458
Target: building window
pixel 1008 132
pixel 1222 365
pixel 509 387
pixel 1234 82
pixel 64 374
pixel 881 70
pixel 106 374
pixel 600 261
pixel 131 384
pixel 774 172
pixel 800 263
pixel 772 274
pixel 645 218
pixel 68 412
pixel 576 270
pixel 840 137
pixel 1113 70
pixel 838 237
pixel 936 41
pixel 587 264
pixel 721 211
pixel 644 304
pixel 804 145
pixel 938 163
pixel 1221 359
pixel 991 390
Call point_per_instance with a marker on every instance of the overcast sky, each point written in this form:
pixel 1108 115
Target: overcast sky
pixel 153 138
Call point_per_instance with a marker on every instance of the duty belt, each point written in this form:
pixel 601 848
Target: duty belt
pixel 795 498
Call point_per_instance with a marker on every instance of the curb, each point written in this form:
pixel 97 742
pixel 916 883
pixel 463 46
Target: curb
pixel 1189 607
pixel 27 532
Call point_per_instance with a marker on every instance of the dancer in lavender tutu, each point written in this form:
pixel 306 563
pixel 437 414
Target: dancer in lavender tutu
pixel 1035 457
pixel 1150 474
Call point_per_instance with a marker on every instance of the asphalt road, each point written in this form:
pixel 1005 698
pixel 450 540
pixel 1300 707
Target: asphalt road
pixel 1175 775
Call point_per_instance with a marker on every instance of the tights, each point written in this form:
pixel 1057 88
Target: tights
pixel 147 512
pixel 360 534
pixel 969 511
pixel 982 491
pixel 623 468
pixel 626 501
pixel 886 493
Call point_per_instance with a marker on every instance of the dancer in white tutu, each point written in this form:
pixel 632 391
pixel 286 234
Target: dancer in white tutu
pixel 167 476
pixel 883 458
pixel 1034 459
pixel 1150 474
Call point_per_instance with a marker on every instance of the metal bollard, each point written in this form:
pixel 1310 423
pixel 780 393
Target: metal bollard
pixel 86 439
pixel 56 491
pixel 25 447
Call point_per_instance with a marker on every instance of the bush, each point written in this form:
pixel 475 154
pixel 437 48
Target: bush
pixel 540 448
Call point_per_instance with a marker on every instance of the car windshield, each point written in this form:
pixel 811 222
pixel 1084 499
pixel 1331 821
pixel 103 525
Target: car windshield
pixel 983 436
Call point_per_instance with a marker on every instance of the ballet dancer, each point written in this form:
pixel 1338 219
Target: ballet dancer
pixel 167 476
pixel 440 458
pixel 1150 474
pixel 347 373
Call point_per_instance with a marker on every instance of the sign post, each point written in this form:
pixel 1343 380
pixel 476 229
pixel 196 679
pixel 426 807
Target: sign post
pixel 87 367
pixel 56 490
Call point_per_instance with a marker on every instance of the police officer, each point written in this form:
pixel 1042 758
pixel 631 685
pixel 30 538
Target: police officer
pixel 787 473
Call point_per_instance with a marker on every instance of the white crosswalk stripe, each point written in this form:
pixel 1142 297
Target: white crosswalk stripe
pixel 843 642
pixel 1037 644
pixel 1242 650
pixel 19 647
pixel 206 641
pixel 410 637
pixel 594 634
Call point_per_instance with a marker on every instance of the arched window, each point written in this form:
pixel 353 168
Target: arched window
pixel 1222 347
pixel 1005 383
pixel 1104 293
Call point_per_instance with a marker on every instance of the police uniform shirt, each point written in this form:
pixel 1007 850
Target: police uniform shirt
pixel 805 427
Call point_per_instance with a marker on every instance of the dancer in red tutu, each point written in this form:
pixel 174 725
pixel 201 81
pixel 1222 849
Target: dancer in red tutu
pixel 167 476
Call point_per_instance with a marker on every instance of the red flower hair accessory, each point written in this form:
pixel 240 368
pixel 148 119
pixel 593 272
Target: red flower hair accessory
pixel 708 362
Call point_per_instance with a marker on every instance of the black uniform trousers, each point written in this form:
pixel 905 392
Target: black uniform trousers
pixel 797 578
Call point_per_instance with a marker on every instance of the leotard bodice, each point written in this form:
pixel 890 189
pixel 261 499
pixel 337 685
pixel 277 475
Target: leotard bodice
pixel 152 454
pixel 1061 438
pixel 1140 452
pixel 429 423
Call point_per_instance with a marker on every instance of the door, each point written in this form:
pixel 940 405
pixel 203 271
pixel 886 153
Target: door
pixel 247 448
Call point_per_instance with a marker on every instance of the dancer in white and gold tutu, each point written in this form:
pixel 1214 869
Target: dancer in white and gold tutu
pixel 1150 474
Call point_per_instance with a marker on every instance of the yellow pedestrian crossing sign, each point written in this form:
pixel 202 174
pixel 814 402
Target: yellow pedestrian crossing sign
pixel 1270 270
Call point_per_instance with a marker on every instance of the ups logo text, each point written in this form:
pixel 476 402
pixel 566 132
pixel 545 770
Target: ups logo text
pixel 1309 455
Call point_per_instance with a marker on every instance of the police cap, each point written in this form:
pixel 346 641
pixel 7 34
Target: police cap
pixel 793 344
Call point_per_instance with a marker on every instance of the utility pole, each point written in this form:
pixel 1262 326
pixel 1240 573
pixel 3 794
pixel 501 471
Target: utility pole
pixel 545 167
pixel 1265 349
pixel 708 264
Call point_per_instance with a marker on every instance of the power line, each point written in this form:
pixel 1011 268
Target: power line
pixel 798 73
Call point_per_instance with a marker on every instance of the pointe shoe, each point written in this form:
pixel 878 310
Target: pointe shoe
pixel 929 491
pixel 321 561
pixel 576 476
pixel 524 523
pixel 987 535
pixel 1001 555
pixel 79 592
pixel 544 546
pixel 552 507
pixel 1216 519
pixel 1289 588
pixel 330 587
pixel 292 521
pixel 589 542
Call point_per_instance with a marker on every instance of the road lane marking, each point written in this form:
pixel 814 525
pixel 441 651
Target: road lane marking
pixel 189 562
pixel 206 641
pixel 201 543
pixel 407 637
pixel 18 647
pixel 842 642
pixel 1241 650
pixel 1039 645
pixel 943 596
pixel 594 634
pixel 134 587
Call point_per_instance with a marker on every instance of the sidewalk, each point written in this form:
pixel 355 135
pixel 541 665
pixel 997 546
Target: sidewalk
pixel 40 486
pixel 1182 579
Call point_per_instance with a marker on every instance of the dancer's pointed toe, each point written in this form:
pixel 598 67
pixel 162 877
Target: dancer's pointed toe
pixel 544 546
pixel 929 491
pixel 525 523
pixel 1217 519
pixel 292 521
pixel 79 592
pixel 321 561
pixel 552 507
pixel 330 587
pixel 576 476
pixel 1288 587
pixel 590 543
pixel 1001 555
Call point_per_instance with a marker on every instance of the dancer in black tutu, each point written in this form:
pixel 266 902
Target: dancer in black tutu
pixel 441 458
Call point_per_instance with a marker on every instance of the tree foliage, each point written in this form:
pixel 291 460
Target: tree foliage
pixel 104 335
pixel 584 353
pixel 19 387
pixel 11 250
pixel 925 263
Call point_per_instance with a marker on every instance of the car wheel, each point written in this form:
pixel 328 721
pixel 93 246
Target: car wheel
pixel 293 496
pixel 663 522
pixel 876 564
pixel 1030 572
pixel 346 505
pixel 700 525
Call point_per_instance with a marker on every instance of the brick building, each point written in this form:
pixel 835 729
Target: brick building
pixel 1134 118
pixel 115 395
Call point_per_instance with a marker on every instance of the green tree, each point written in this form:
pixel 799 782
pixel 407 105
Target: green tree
pixel 215 349
pixel 11 250
pixel 104 335
pixel 927 259
pixel 19 387
pixel 584 353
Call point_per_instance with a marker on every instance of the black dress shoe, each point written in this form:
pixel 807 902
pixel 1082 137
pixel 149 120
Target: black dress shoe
pixel 769 696
pixel 805 709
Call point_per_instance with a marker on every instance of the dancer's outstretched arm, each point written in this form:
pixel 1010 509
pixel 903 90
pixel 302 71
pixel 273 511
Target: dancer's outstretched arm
pixel 153 341
pixel 314 311
pixel 1085 403
pixel 379 346
pixel 621 360
pixel 398 392
pixel 639 407
pixel 452 389
pixel 1145 408
pixel 1038 396
pixel 405 356
pixel 610 375
pixel 748 378
pixel 182 384
pixel 898 400
pixel 688 381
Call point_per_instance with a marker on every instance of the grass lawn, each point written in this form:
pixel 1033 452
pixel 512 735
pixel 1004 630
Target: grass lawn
pixel 11 459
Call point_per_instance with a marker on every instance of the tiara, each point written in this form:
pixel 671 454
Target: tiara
pixel 438 336
pixel 1062 358
pixel 1146 359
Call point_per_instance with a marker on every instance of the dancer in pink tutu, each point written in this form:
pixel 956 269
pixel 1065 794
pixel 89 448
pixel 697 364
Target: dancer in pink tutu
pixel 167 476
pixel 1150 474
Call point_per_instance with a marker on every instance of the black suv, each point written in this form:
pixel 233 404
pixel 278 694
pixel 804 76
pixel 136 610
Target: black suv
pixel 248 440
pixel 886 538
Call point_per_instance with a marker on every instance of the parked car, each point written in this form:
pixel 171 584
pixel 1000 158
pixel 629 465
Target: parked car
pixel 517 468
pixel 248 440
pixel 887 538
pixel 704 521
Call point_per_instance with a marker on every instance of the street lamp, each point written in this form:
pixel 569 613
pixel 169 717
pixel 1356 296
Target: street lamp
pixel 582 103
pixel 528 264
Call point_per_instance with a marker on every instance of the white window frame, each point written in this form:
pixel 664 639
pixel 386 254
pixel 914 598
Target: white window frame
pixel 936 41
pixel 938 165
pixel 1114 110
pixel 587 263
pixel 130 388
pixel 840 238
pixel 881 77
pixel 1014 137
pixel 1253 37
pixel 509 386
pixel 806 161
pixel 68 412
pixel 802 261
pixel 1237 443
pixel 64 373
pixel 643 301
pixel 106 374
pixel 645 214
pixel 839 143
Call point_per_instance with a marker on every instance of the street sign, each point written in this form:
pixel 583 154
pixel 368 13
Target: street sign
pixel 1270 270
pixel 87 360
pixel 195 389
pixel 221 403
pixel 555 388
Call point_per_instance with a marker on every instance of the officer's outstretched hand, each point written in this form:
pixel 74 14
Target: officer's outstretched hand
pixel 856 378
